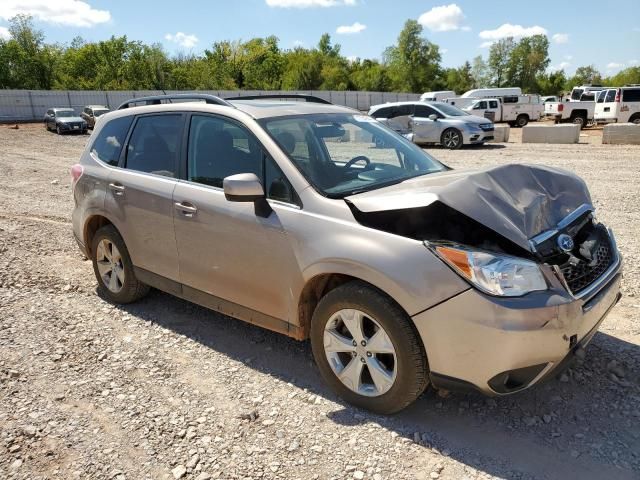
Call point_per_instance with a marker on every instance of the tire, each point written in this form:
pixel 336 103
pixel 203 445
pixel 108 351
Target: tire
pixel 127 288
pixel 579 120
pixel 451 138
pixel 635 119
pixel 522 120
pixel 405 371
pixel 58 131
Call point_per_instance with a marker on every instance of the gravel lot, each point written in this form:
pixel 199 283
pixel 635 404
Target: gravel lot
pixel 166 389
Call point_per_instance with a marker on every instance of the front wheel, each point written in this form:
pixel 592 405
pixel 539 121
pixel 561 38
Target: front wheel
pixel 113 268
pixel 367 350
pixel 451 139
pixel 579 120
pixel 58 130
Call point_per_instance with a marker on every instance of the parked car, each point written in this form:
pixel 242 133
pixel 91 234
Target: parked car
pixel 401 271
pixel 438 96
pixel 91 113
pixel 434 122
pixel 516 110
pixel 585 92
pixel 578 112
pixel 619 105
pixel 64 120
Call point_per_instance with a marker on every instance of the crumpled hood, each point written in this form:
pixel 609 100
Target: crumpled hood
pixel 70 119
pixel 516 201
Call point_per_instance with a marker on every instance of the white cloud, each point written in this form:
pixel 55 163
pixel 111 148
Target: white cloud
pixel 4 33
pixel 614 65
pixel 568 57
pixel 182 39
pixel 560 66
pixel 507 30
pixel 308 3
pixel 633 62
pixel 352 58
pixel 443 18
pixel 61 12
pixel 298 43
pixel 357 27
pixel 560 37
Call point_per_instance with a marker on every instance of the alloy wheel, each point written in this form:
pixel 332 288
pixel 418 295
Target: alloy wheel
pixel 360 352
pixel 110 265
pixel 451 139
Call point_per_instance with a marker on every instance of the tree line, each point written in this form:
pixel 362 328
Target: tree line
pixel 413 64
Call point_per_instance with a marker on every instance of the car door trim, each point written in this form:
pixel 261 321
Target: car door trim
pixel 218 304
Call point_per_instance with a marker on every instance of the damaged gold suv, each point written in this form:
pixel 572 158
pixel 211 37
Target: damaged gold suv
pixel 319 222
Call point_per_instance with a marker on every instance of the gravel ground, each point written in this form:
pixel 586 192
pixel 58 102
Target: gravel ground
pixel 166 389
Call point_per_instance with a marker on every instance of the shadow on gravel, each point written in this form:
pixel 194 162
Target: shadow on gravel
pixel 580 427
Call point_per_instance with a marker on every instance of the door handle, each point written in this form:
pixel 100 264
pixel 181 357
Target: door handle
pixel 117 188
pixel 186 208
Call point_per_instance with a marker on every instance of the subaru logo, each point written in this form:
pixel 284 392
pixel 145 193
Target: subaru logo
pixel 565 242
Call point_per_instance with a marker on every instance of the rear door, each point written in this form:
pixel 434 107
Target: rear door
pixel 140 192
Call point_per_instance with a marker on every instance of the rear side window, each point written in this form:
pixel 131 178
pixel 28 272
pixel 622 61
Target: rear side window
pixel 153 145
pixel 510 99
pixel 631 95
pixel 403 110
pixel 382 113
pixel 108 143
pixel 493 104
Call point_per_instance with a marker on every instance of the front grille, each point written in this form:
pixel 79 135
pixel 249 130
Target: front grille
pixel 580 276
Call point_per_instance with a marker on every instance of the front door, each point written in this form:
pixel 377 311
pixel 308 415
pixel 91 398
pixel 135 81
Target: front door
pixel 226 249
pixel 140 193
pixel 426 129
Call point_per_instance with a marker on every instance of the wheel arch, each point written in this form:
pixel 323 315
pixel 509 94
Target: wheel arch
pixel 321 283
pixel 92 224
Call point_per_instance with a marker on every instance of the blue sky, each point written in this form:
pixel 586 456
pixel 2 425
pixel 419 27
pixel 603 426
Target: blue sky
pixel 578 31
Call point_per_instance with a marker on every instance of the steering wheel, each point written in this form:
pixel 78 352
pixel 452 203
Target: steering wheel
pixel 355 160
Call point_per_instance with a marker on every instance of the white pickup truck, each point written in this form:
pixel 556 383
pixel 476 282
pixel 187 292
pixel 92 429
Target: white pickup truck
pixel 517 110
pixel 578 112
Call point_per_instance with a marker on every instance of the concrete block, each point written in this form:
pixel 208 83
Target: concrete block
pixel 551 134
pixel 621 134
pixel 500 134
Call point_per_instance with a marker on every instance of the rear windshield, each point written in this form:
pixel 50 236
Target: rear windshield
pixel 97 113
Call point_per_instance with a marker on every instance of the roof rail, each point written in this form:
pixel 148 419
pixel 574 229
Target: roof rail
pixel 177 97
pixel 306 98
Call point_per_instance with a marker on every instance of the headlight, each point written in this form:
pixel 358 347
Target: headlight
pixel 494 273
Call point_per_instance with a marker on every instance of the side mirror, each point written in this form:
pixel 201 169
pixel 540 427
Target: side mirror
pixel 433 117
pixel 243 187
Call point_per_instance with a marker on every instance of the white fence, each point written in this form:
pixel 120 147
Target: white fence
pixel 30 105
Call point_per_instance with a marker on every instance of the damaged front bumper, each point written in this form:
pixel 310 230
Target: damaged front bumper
pixel 504 345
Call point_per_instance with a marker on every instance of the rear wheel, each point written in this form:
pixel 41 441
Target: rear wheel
pixel 579 120
pixel 522 120
pixel 113 267
pixel 635 119
pixel 367 350
pixel 451 138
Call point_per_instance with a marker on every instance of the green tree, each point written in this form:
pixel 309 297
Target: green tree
pixel 459 79
pixel 584 76
pixel 552 83
pixel 528 59
pixel 414 63
pixel 498 63
pixel 480 73
pixel 624 77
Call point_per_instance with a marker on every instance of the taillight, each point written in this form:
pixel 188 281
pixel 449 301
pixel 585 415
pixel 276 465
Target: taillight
pixel 618 92
pixel 76 172
pixel 560 107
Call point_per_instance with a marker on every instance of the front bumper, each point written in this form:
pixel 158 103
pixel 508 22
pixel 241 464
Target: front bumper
pixel 504 345
pixel 471 137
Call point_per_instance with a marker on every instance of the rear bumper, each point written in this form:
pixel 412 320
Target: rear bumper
pixel 500 346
